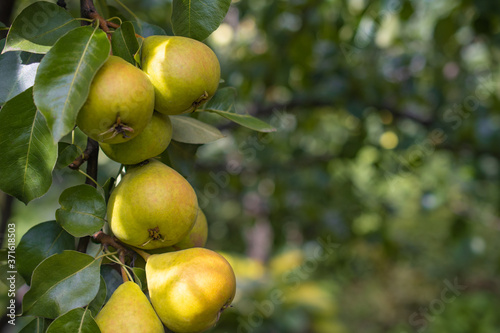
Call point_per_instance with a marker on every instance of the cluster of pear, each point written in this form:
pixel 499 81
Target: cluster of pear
pixel 154 208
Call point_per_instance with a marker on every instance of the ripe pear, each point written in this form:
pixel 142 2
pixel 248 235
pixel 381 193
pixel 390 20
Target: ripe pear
pixel 151 142
pixel 152 207
pixel 128 311
pixel 184 72
pixel 120 103
pixel 190 288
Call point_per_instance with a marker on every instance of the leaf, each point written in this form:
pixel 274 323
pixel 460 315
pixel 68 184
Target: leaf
pixel 76 321
pixel 40 242
pixel 61 283
pixel 124 42
pixel 66 154
pixel 64 76
pixel 140 277
pixel 82 210
pixel 38 27
pixel 27 149
pixel 112 278
pixel 102 8
pixel 198 18
pixel 148 29
pixel 99 300
pixel 193 131
pixel 180 156
pixel 223 105
pixel 17 75
pixel 37 325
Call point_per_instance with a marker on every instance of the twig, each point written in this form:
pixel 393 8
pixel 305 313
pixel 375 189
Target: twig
pixel 87 10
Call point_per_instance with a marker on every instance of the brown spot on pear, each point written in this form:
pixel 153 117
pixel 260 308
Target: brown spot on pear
pixel 184 72
pixel 152 197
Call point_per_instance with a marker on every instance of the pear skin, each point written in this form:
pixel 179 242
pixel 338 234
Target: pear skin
pixel 190 288
pixel 151 142
pixel 184 72
pixel 120 103
pixel 128 311
pixel 152 207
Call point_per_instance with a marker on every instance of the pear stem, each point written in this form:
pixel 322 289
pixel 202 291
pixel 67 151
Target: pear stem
pixel 142 253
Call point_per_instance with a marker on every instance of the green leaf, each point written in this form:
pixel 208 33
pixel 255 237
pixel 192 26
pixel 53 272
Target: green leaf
pixel 66 154
pixel 148 29
pixel 180 156
pixel 82 210
pixel 140 277
pixel 102 8
pixel 198 18
pixel 193 131
pixel 76 321
pixel 61 283
pixel 16 75
pixel 27 149
pixel 124 42
pixel 64 76
pixel 38 27
pixel 112 278
pixel 37 325
pixel 223 105
pixel 99 300
pixel 40 242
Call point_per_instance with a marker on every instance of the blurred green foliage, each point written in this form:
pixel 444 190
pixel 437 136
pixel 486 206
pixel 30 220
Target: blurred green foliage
pixel 381 187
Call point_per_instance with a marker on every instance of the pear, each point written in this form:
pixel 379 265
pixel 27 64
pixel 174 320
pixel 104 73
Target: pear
pixel 151 142
pixel 120 103
pixel 184 72
pixel 128 311
pixel 190 288
pixel 152 207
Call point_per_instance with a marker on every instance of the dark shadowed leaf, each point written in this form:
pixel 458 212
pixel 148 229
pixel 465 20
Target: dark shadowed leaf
pixel 82 210
pixel 196 18
pixel 76 321
pixel 66 154
pixel 61 283
pixel 193 131
pixel 27 149
pixel 63 79
pixel 112 278
pixel 38 27
pixel 37 325
pixel 99 300
pixel 124 42
pixel 40 242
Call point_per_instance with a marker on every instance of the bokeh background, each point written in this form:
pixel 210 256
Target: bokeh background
pixel 375 206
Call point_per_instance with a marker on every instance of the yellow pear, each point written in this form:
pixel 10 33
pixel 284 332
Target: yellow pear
pixel 120 103
pixel 184 72
pixel 151 142
pixel 189 289
pixel 153 206
pixel 128 311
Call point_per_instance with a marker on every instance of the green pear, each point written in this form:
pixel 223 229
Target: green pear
pixel 120 103
pixel 128 311
pixel 151 142
pixel 184 72
pixel 153 206
pixel 189 289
